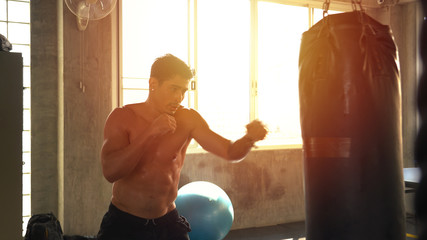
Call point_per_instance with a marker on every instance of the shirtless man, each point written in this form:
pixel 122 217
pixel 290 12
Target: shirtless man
pixel 144 150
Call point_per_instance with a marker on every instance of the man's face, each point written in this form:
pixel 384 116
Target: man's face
pixel 169 94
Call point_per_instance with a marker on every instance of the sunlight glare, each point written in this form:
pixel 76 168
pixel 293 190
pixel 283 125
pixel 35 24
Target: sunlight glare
pixel 223 60
pixel 278 53
pixel 160 28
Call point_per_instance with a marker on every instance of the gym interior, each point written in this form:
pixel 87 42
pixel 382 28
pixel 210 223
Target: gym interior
pixel 76 82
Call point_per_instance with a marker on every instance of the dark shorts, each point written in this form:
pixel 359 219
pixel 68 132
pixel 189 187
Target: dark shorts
pixel 119 225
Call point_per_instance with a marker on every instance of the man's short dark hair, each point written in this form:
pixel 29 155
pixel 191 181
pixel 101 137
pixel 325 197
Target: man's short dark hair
pixel 168 66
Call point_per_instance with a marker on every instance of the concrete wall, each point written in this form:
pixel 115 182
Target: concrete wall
pixel 45 77
pixel 74 87
pixel 265 189
pixel 90 80
pixel 405 22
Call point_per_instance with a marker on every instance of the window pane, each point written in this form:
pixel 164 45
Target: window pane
pixel 134 96
pixel 26 141
pixel 19 33
pixel 26 206
pixel 25 223
pixel 185 101
pixel 26 183
pixel 3 15
pixel 141 83
pixel 3 29
pixel 223 65
pixel 152 29
pixel 27 98
pixel 26 162
pixel 279 36
pixel 27 120
pixel 190 99
pixel 19 11
pixel 27 77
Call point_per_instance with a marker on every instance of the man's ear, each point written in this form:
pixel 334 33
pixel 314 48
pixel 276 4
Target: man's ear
pixel 153 83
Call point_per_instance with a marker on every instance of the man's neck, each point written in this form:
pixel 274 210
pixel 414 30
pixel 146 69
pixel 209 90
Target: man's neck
pixel 150 112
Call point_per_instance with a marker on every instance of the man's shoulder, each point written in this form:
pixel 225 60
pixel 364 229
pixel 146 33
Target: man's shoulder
pixel 189 115
pixel 124 113
pixel 186 112
pixel 121 111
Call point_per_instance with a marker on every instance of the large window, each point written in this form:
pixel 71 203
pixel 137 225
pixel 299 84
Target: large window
pixel 223 65
pixel 15 26
pixel 279 35
pixel 245 53
pixel 150 29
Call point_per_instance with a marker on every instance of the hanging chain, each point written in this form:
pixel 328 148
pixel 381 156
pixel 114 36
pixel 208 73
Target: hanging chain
pixel 326 7
pixel 355 3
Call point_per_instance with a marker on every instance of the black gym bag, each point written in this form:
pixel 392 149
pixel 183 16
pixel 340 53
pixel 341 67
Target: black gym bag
pixel 44 226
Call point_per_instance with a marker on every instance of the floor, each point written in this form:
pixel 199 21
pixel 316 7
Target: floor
pixel 291 231
pixel 294 231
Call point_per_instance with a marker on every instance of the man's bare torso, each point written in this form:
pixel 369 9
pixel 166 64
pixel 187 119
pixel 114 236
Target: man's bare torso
pixel 150 190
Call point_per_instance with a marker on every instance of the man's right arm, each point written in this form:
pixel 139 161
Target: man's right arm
pixel 118 156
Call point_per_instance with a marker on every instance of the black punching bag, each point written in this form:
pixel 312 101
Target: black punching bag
pixel 351 128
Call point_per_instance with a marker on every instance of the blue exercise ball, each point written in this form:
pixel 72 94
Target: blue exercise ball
pixel 207 208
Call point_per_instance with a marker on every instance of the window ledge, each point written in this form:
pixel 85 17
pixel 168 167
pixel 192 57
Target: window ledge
pixel 198 150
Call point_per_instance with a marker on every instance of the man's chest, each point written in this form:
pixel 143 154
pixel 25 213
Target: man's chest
pixel 171 142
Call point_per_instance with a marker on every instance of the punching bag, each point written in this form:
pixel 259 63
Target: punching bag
pixel 350 109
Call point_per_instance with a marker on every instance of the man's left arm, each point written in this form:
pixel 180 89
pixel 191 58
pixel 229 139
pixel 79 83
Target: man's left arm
pixel 255 131
pixel 222 147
